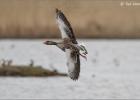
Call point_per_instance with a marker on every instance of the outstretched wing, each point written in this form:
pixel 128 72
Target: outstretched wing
pixel 73 60
pixel 64 26
pixel 73 63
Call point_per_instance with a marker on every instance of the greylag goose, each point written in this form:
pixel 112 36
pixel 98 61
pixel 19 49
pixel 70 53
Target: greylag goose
pixel 69 45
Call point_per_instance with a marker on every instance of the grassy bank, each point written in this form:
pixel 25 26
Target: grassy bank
pixel 27 70
pixel 89 18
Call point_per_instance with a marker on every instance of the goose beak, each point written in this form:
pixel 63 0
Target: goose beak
pixel 84 56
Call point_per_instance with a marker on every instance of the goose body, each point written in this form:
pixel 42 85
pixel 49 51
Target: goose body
pixel 69 45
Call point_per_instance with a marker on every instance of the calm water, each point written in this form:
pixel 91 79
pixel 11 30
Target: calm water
pixel 112 70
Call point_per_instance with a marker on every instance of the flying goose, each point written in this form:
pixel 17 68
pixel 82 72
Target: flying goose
pixel 69 45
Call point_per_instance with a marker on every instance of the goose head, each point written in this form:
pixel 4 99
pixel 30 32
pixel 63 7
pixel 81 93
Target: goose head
pixel 83 51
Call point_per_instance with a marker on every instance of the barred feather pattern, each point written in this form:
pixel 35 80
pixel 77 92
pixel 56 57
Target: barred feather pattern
pixel 73 60
pixel 73 63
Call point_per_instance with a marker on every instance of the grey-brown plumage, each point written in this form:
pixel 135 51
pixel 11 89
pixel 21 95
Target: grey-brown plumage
pixel 68 29
pixel 68 45
pixel 74 73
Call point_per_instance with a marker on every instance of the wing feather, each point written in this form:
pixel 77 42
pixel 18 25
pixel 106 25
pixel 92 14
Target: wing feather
pixel 73 63
pixel 73 60
pixel 64 26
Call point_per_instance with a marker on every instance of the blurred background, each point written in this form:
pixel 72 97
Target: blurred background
pixel 110 30
pixel 89 18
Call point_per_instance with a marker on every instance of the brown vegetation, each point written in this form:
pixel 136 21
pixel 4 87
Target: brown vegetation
pixel 6 69
pixel 89 18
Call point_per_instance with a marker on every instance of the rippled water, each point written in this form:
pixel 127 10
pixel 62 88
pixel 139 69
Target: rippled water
pixel 111 71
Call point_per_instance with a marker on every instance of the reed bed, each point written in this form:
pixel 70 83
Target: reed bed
pixel 89 18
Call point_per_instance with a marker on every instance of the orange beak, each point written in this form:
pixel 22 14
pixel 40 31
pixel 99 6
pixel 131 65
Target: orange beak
pixel 84 57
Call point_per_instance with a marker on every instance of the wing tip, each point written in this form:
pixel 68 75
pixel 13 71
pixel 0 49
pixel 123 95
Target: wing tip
pixel 74 79
pixel 74 76
pixel 57 10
